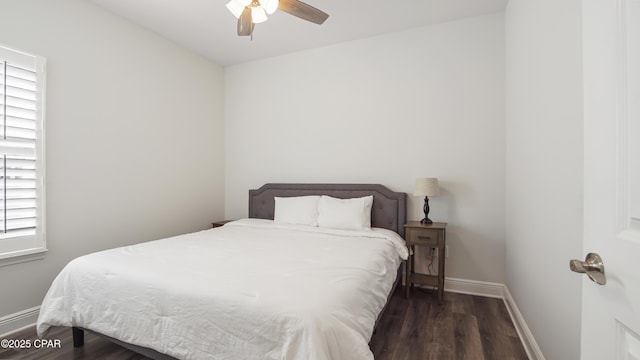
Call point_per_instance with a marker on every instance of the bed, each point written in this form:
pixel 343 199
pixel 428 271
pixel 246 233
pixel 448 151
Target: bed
pixel 256 288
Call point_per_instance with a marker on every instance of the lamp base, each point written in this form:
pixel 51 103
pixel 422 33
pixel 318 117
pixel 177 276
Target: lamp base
pixel 426 219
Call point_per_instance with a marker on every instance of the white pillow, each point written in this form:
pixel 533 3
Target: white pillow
pixel 348 214
pixel 300 210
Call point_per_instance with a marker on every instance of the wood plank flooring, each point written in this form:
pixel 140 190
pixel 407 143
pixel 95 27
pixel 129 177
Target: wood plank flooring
pixel 462 327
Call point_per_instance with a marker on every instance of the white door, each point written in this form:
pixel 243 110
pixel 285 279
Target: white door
pixel 611 55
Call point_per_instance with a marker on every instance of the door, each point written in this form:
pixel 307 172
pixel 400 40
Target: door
pixel 611 63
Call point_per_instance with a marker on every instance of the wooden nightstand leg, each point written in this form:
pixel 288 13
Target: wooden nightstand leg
pixel 406 277
pixel 413 263
pixel 408 274
pixel 442 256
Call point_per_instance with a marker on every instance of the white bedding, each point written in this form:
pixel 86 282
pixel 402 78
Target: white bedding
pixel 251 289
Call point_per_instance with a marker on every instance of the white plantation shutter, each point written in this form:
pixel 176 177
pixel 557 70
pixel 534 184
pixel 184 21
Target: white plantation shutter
pixel 21 154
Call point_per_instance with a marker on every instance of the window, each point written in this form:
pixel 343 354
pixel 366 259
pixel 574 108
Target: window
pixel 22 220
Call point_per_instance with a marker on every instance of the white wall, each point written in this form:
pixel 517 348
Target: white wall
pixel 387 109
pixel 544 169
pixel 134 136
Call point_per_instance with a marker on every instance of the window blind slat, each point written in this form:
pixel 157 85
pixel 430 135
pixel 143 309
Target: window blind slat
pixel 20 163
pixel 20 103
pixel 21 174
pixel 17 233
pixel 19 203
pixel 19 194
pixel 19 133
pixel 21 213
pixel 11 111
pixel 21 123
pixel 19 184
pixel 14 82
pixel 21 73
pixel 21 93
pixel 15 224
pixel 18 148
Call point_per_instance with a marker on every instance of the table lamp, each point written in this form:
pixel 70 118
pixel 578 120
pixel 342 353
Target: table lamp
pixel 426 187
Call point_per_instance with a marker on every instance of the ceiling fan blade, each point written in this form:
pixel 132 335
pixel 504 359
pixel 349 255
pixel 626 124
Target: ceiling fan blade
pixel 245 23
pixel 303 11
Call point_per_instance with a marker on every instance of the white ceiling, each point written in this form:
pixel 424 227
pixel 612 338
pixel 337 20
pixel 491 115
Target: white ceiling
pixel 208 28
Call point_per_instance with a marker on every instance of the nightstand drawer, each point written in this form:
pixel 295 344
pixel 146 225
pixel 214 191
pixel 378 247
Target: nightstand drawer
pixel 424 237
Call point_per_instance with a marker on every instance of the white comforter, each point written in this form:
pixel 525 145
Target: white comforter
pixel 248 290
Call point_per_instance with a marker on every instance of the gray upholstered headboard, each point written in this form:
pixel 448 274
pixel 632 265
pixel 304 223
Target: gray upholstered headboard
pixel 389 209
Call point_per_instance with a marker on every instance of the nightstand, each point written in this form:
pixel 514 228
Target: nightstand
pixel 431 236
pixel 219 223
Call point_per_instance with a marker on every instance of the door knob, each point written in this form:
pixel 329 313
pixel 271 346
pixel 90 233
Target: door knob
pixel 592 266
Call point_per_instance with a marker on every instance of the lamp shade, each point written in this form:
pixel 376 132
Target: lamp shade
pixel 426 187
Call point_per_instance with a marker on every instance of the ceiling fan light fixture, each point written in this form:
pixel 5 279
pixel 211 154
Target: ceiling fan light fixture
pixel 270 6
pixel 236 8
pixel 251 12
pixel 258 14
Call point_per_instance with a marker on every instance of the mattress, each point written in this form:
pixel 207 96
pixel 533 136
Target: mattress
pixel 251 289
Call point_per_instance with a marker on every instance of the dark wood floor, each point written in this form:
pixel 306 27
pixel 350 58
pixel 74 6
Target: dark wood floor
pixel 462 327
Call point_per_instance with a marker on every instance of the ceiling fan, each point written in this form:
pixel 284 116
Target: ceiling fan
pixel 251 12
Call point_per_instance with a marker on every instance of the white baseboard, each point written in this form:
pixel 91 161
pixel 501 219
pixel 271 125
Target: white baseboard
pixel 18 321
pixel 473 287
pixel 528 341
pixel 497 290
